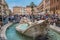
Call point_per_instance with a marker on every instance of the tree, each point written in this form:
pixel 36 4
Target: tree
pixel 32 5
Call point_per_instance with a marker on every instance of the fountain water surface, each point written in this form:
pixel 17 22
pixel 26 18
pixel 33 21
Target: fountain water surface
pixel 12 34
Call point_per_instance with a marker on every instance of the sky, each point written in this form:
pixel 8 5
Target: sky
pixel 23 3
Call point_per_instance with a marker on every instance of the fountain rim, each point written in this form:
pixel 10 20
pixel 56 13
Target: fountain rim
pixel 4 29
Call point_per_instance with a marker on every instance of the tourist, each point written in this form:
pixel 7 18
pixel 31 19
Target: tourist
pixel 24 20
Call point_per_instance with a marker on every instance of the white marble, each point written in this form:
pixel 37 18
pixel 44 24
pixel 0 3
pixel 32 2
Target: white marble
pixel 3 30
pixel 55 28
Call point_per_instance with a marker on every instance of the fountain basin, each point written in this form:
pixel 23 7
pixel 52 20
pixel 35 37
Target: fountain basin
pixel 32 30
pixel 12 34
pixel 53 33
pixel 22 27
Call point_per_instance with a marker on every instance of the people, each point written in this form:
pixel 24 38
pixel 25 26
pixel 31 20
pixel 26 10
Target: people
pixel 25 20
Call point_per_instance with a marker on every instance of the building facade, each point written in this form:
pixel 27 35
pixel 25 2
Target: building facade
pixel 4 12
pixel 41 7
pixel 28 10
pixel 17 10
pixel 24 10
pixel 55 6
pixel 49 6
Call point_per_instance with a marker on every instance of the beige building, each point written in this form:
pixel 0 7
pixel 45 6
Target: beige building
pixel 41 7
pixel 36 11
pixel 17 10
pixel 28 10
pixel 49 6
pixel 4 12
pixel 24 10
pixel 3 7
pixel 55 6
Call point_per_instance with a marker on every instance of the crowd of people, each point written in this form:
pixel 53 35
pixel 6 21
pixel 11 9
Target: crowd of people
pixel 52 18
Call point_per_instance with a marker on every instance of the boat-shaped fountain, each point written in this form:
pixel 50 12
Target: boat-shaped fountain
pixel 34 29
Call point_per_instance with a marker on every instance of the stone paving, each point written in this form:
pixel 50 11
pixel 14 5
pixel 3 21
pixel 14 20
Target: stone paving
pixel 3 30
pixel 57 29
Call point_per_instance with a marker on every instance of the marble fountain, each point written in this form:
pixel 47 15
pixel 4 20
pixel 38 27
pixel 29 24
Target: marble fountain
pixel 33 29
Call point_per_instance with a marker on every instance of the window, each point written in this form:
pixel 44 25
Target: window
pixel 0 0
pixel 56 8
pixel 0 7
pixel 0 18
pixel 54 1
pixel 47 1
pixel 57 0
pixel 4 6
